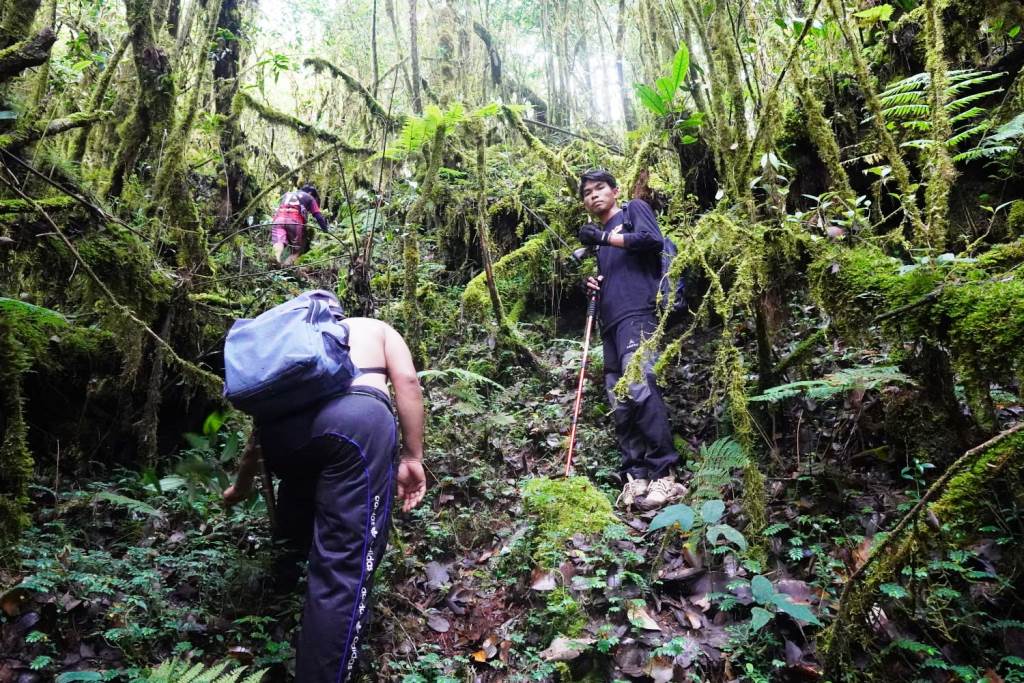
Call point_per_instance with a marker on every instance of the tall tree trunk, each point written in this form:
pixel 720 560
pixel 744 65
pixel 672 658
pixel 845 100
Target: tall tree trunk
pixel 235 182
pixel 99 92
pixel 373 49
pixel 389 7
pixel 481 227
pixel 620 71
pixel 414 220
pixel 414 59
pixel 151 119
pixel 43 77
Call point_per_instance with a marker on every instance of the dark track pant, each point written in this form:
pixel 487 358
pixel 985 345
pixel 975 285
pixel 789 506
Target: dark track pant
pixel 641 420
pixel 335 498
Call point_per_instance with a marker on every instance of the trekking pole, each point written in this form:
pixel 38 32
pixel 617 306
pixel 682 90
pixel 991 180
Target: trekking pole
pixel 591 312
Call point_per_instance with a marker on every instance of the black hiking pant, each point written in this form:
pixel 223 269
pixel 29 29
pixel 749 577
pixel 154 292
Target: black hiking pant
pixel 335 501
pixel 641 419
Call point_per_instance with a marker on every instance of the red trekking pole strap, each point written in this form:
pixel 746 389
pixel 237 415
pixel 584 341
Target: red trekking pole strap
pixel 591 313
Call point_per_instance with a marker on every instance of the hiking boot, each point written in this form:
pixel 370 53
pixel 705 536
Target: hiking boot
pixel 633 489
pixel 662 491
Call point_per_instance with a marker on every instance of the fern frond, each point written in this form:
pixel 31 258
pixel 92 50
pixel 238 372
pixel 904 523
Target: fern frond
pixel 909 97
pixel 905 111
pixel 967 133
pixel 715 466
pixel 129 503
pixel 972 113
pixel 958 104
pixel 467 376
pixel 212 673
pixel 984 152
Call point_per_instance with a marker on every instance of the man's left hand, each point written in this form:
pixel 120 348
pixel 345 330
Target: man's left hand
pixel 591 235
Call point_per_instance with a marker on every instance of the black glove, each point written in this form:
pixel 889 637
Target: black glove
pixel 592 236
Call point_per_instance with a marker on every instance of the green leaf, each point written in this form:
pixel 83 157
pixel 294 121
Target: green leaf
pixel 680 65
pixel 680 514
pixel 664 87
pixel 650 99
pixel 712 511
pixel 213 423
pixel 795 610
pixel 873 15
pixel 762 589
pixel 1014 32
pixel 73 676
pixel 731 535
pixel 894 590
pixel 759 617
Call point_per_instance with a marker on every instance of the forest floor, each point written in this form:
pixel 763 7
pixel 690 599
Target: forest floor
pixel 133 568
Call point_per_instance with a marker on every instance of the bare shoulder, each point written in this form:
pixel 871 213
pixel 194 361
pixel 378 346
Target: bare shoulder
pixel 368 326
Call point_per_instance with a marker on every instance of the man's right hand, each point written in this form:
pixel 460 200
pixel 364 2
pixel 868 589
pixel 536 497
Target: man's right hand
pixel 592 236
pixel 594 285
pixel 412 483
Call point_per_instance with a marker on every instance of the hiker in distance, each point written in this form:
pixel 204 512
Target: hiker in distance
pixel 336 460
pixel 289 223
pixel 629 257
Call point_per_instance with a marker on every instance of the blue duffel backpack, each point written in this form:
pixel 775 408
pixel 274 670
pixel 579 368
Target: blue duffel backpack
pixel 289 357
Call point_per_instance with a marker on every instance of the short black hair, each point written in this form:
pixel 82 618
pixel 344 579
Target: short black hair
pixel 597 175
pixel 311 189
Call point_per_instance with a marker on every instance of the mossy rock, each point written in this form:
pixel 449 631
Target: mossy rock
pixel 561 509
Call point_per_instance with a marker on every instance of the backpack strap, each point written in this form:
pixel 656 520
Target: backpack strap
pixel 374 371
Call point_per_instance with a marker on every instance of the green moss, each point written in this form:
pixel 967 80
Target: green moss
pixel 15 459
pixel 565 616
pixel 960 509
pixel 1015 219
pixel 517 275
pixel 562 508
pixel 16 206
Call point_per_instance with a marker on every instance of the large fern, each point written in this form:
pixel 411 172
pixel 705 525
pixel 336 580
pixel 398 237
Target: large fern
pixel 177 671
pixel 905 105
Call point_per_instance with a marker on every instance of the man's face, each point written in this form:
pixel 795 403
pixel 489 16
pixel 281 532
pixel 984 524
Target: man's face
pixel 599 196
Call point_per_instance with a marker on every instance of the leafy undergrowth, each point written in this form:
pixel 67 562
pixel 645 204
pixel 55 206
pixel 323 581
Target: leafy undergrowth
pixel 506 572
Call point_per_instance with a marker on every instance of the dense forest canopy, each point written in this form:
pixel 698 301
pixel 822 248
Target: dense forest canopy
pixel 842 179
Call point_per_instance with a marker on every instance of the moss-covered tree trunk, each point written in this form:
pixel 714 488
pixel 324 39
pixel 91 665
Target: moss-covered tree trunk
pixel 235 181
pixel 99 93
pixel 18 16
pixel 414 220
pixel 150 121
pixel 414 58
pixel 15 460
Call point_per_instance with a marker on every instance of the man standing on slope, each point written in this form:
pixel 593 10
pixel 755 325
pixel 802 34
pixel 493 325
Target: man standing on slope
pixel 289 223
pixel 336 461
pixel 629 245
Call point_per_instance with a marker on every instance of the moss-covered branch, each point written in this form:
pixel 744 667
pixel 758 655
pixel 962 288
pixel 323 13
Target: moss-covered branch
pixel 99 92
pixel 25 54
pixel 554 162
pixel 271 115
pixel 54 127
pixel 939 164
pixel 965 489
pixel 900 172
pixel 820 131
pixel 371 102
pixel 16 206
